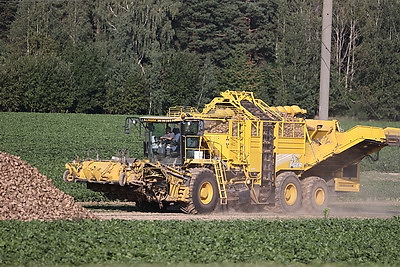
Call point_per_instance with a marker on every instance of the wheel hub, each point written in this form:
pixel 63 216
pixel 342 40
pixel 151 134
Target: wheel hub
pixel 206 193
pixel 290 194
pixel 319 196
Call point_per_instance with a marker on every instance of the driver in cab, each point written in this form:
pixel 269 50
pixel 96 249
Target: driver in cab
pixel 169 135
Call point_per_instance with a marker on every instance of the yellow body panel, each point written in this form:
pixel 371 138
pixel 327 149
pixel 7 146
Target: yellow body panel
pixel 348 185
pixel 100 171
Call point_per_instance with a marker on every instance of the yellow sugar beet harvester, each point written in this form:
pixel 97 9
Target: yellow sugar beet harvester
pixel 237 152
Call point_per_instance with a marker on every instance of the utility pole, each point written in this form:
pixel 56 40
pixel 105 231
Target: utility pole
pixel 325 60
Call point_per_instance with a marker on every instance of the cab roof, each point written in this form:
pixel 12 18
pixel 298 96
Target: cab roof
pixel 160 119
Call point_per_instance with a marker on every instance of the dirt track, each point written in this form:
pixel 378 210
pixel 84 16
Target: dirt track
pixel 127 211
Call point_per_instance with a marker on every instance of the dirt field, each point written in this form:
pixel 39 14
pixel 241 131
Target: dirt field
pixel 378 198
pixel 127 211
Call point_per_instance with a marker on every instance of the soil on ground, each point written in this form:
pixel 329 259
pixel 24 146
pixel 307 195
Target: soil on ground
pixel 340 209
pixel 378 198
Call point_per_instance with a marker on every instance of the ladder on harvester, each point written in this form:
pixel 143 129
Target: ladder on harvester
pixel 221 180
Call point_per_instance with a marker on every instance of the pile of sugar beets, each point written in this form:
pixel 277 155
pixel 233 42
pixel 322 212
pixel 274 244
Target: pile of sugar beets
pixel 26 194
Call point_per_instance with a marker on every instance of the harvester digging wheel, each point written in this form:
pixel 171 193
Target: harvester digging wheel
pixel 203 192
pixel 68 177
pixel 315 194
pixel 288 192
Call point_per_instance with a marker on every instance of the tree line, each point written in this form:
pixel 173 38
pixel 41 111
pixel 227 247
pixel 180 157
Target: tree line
pixel 141 57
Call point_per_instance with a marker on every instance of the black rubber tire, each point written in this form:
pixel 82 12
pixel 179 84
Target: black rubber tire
pixel 67 177
pixel 200 177
pixel 122 179
pixel 311 187
pixel 284 182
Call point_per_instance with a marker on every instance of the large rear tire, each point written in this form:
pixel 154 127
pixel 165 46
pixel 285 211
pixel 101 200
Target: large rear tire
pixel 288 192
pixel 203 192
pixel 315 194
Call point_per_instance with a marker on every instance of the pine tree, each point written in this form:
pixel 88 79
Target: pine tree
pixel 181 79
pixel 126 90
pixel 220 28
pixel 241 74
pixel 7 16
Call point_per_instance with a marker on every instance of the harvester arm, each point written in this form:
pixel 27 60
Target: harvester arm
pixel 336 149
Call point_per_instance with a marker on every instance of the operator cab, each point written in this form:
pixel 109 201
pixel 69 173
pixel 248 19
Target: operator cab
pixel 168 140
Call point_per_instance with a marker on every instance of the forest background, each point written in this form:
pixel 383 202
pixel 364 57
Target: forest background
pixel 141 57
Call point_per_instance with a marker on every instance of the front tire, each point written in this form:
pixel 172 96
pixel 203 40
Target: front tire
pixel 68 177
pixel 288 192
pixel 122 179
pixel 204 194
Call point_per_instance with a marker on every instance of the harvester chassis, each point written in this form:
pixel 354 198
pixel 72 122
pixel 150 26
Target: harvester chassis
pixel 237 152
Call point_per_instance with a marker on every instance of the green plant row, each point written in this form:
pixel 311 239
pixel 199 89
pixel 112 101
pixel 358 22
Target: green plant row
pixel 48 141
pixel 348 241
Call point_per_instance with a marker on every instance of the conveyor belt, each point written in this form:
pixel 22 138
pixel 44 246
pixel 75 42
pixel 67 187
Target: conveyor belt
pixel 256 111
pixel 352 155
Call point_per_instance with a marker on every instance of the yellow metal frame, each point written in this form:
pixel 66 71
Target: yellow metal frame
pixel 346 182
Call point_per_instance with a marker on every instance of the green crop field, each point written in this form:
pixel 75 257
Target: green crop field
pixel 48 141
pixel 318 241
